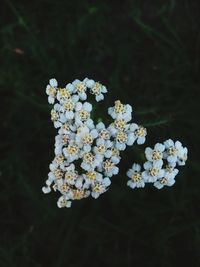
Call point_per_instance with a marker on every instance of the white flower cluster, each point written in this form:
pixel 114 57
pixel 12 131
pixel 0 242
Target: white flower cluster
pixel 160 167
pixel 86 155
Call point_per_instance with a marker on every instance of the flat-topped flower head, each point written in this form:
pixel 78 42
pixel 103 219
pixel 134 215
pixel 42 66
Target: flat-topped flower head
pixel 135 174
pixel 96 147
pixel 155 154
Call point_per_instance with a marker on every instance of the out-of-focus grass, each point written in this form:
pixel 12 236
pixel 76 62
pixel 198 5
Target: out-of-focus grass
pixel 147 53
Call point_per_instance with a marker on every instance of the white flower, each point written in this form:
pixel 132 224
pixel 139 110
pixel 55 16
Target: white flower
pixel 63 202
pixel 103 133
pixel 100 187
pixel 170 171
pixel 51 90
pixel 174 150
pixel 160 183
pixel 89 82
pixel 120 111
pixel 98 89
pixel 155 154
pixel 70 87
pixel 82 112
pixel 153 171
pixel 139 133
pixel 103 148
pixel 183 157
pixel 136 177
pixel 80 88
pixel 57 116
pixel 71 152
pixel 46 189
pixel 71 175
pixel 85 137
pixel 115 156
pixel 118 125
pixel 62 140
pixel 109 168
pixel 122 139
pixel 89 161
pixel 92 177
pixel 67 128
pixel 63 94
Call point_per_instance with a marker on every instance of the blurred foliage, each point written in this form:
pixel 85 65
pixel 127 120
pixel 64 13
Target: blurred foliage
pixel 147 53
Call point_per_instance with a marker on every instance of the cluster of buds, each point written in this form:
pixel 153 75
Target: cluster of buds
pixel 160 167
pixel 86 154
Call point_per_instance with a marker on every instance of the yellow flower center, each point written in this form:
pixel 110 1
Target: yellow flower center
pixel 88 157
pixel 153 171
pixel 120 124
pixel 72 150
pixel 65 139
pixel 64 188
pixel 169 169
pixel 87 139
pixel 136 177
pixel 64 93
pixel 68 105
pixel 80 87
pixel 96 89
pixel 121 137
pixel 78 194
pixel 108 165
pixel 63 202
pixel 54 115
pixel 119 107
pixel 104 134
pixel 84 115
pixel 58 173
pixel 163 181
pixel 115 151
pixel 141 132
pixel 101 149
pixel 59 159
pixel 91 175
pixel 156 155
pixel 172 151
pixel 51 91
pixel 71 175
pixel 66 126
pixel 98 188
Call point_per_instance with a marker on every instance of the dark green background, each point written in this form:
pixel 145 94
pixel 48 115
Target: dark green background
pixel 147 54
